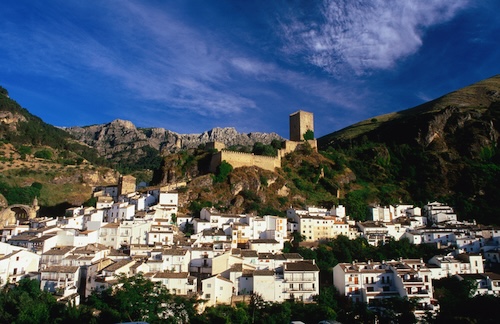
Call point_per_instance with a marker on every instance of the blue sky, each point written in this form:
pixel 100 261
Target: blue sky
pixel 192 65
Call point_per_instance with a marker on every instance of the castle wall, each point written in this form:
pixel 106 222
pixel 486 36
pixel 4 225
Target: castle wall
pixel 126 184
pixel 215 145
pixel 291 146
pixel 239 159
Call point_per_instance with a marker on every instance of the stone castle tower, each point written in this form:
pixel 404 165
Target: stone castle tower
pixel 126 184
pixel 300 122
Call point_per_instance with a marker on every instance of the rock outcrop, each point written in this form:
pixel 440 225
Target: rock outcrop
pixel 122 136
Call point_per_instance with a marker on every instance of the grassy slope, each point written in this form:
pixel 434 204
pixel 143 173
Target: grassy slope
pixel 445 149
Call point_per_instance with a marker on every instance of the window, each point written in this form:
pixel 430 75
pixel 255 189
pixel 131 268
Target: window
pixel 209 285
pixel 207 295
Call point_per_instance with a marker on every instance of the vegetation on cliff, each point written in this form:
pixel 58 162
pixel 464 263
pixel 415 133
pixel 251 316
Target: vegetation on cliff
pixel 446 150
pixel 443 150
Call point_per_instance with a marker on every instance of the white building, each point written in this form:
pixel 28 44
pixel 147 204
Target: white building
pixel 160 232
pixel 374 232
pixel 61 281
pixel 217 290
pixel 121 211
pixel 177 283
pixel 301 280
pixel 371 281
pixel 124 233
pixel 16 265
pixel 437 212
pixel 295 280
pixel 486 283
pixel 444 266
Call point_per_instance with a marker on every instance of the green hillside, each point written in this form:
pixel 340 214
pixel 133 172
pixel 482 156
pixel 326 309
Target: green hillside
pixel 446 149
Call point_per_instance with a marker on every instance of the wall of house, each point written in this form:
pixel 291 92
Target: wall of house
pixel 266 287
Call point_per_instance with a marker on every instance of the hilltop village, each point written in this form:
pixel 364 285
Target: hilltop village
pixel 224 258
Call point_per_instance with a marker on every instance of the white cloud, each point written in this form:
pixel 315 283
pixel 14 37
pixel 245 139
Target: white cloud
pixel 363 35
pixel 145 51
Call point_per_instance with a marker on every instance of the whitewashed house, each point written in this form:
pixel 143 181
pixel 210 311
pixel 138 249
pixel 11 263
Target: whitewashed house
pixel 177 283
pixel 16 265
pixel 61 281
pixel 217 290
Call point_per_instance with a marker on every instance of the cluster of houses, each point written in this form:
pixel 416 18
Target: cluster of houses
pixel 230 256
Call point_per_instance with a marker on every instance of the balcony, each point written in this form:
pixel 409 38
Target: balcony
pixel 298 290
pixel 420 292
pixel 299 279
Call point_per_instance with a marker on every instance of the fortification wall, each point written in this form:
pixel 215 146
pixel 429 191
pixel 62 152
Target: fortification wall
pixel 215 145
pixel 126 184
pixel 239 159
pixel 290 146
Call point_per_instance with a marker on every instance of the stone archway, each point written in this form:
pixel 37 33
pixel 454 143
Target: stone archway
pixel 17 213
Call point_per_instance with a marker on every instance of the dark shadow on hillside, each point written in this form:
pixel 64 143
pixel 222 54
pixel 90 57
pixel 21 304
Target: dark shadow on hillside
pixel 52 211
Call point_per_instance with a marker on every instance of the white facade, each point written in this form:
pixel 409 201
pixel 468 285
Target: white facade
pixel 16 265
pixel 367 282
pixel 269 286
pixel 62 281
pixel 180 283
pixel 445 266
pixel 121 211
pixel 167 204
pixel 217 290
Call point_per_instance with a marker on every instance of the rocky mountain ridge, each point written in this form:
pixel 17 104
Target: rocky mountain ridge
pixel 120 136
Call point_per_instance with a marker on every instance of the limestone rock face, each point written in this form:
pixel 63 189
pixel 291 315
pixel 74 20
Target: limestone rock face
pixel 3 202
pixel 10 120
pixel 121 136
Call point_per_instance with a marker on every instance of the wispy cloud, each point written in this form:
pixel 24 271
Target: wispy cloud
pixel 155 56
pixel 363 35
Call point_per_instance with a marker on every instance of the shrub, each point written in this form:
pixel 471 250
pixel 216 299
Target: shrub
pixel 309 135
pixel 44 154
pixel 223 171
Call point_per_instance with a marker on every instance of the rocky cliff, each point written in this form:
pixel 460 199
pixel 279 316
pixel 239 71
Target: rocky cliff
pixel 121 139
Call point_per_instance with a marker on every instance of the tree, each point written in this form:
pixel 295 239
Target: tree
pixel 26 303
pixel 139 299
pixel 4 91
pixel 223 171
pixel 23 151
pixel 263 149
pixel 276 144
pixel 309 135
pixel 355 202
pixel 224 314
pixel 44 154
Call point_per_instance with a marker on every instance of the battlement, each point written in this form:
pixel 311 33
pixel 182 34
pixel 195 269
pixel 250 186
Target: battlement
pixel 300 122
pixel 241 159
